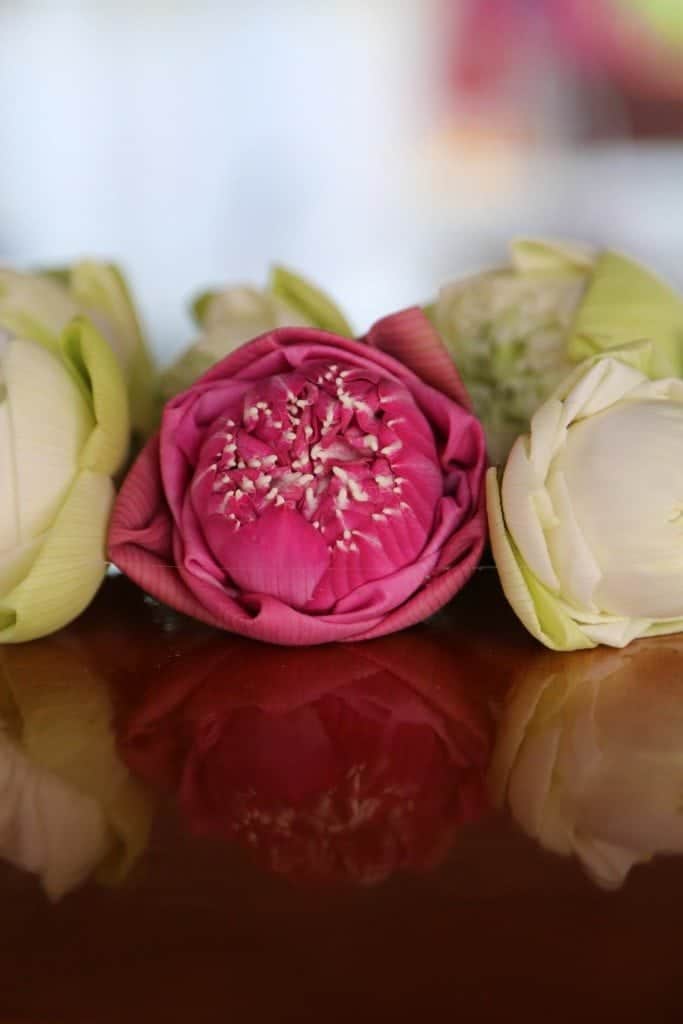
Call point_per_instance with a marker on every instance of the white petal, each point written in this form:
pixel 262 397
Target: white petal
pixel 571 556
pixel 9 518
pixel 16 562
pixel 243 313
pixel 33 307
pixel 520 484
pixel 624 471
pixel 50 423
pixel 547 435
pixel 604 384
pixel 618 633
pixel 543 254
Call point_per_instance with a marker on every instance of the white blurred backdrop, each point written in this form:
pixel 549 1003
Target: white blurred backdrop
pixel 197 142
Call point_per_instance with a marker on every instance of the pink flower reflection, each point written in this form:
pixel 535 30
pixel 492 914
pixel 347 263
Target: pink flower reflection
pixel 345 763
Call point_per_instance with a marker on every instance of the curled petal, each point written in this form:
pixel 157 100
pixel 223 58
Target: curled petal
pixel 410 338
pixel 46 421
pixel 102 380
pixel 69 567
pixel 101 291
pixel 537 608
pixel 625 302
pixel 529 254
pixel 318 308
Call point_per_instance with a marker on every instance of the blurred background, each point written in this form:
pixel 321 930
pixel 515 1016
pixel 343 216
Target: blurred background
pixel 382 147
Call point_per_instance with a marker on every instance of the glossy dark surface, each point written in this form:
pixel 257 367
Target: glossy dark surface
pixel 458 911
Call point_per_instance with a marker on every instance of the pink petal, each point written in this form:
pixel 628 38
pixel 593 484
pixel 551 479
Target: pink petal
pixel 409 337
pixel 280 555
pixel 458 558
pixel 141 536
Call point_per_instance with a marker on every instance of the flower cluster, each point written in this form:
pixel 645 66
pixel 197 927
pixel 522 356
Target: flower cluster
pixel 302 486
pixel 293 484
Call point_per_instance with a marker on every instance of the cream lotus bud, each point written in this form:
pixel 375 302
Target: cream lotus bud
pixel 63 432
pixel 237 314
pixel 515 332
pixel 39 306
pixel 586 522
pixel 589 755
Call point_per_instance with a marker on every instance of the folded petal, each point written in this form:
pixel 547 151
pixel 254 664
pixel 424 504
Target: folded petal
pixel 69 567
pixel 102 380
pixel 103 295
pixel 34 308
pixel 410 337
pixel 625 302
pixel 280 555
pixel 47 423
pixel 535 606
pixel 528 254
pixel 318 309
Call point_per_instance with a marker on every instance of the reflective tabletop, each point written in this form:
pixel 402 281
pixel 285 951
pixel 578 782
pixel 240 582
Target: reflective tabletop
pixel 450 819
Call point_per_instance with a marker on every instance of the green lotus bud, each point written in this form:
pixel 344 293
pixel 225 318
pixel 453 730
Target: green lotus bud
pixel 516 332
pixel 229 318
pixel 70 808
pixel 64 432
pixel 38 306
pixel 585 522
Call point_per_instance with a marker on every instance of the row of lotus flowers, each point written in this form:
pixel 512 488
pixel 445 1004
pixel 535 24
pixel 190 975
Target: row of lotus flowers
pixel 330 768
pixel 298 485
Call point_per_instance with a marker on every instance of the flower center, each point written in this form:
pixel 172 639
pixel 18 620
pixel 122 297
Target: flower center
pixel 323 443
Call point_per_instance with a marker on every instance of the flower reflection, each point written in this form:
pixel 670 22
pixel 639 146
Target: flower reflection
pixel 68 805
pixel 589 755
pixel 328 764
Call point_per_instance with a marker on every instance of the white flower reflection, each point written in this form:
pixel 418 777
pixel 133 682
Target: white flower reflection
pixel 68 806
pixel 589 755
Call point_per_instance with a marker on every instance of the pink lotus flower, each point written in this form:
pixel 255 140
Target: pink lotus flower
pixel 309 488
pixel 325 765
